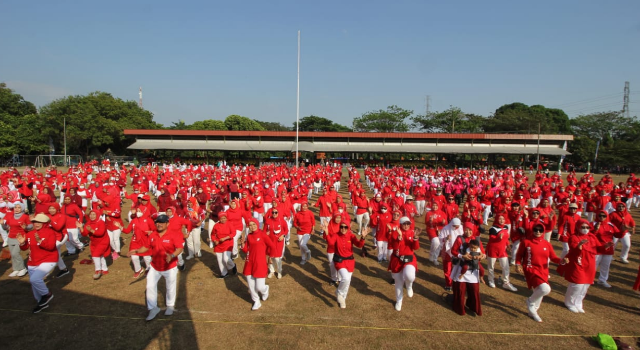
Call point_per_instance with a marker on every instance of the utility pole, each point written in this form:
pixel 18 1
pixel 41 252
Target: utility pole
pixel 625 106
pixel 140 94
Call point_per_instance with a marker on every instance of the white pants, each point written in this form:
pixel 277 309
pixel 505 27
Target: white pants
pixel 278 265
pixel 626 245
pixel 4 234
pixel 324 220
pixel 302 242
pixel 100 263
pixel 589 216
pixel 345 282
pixel 332 268
pixel 547 236
pixel 575 295
pixel 73 243
pixel 135 259
pixel 404 278
pixel 194 241
pixel 234 251
pixel 382 250
pixel 485 213
pixel 59 244
pixel 538 293
pixel 114 240
pixel 504 264
pixel 210 227
pixel 256 285
pixel 259 217
pixel 565 249
pixel 603 262
pixel 435 249
pixel 534 202
pixel 267 206
pixel 224 262
pixel 420 207
pixel 514 249
pixel 36 277
pixel 336 185
pixel 363 221
pixel 170 277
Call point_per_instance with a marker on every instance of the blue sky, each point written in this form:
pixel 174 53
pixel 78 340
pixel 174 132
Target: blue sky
pixel 199 60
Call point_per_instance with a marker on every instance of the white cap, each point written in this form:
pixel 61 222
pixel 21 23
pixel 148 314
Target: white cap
pixel 456 222
pixel 404 219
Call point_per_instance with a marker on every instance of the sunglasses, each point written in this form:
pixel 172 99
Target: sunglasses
pixel 538 230
pixel 602 216
pixel 406 223
pixel 344 227
pixel 585 227
pixel 535 213
pixel 274 212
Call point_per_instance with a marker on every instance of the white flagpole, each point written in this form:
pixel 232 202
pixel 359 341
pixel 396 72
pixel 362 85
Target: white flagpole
pixel 298 102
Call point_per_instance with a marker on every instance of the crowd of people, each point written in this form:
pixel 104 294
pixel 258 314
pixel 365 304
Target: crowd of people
pixel 470 218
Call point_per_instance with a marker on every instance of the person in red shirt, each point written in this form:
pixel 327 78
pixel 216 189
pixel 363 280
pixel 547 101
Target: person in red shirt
pixel 382 233
pixel 344 260
pixel 533 260
pixel 469 282
pixel 606 232
pixel 627 226
pixel 324 203
pixel 73 215
pixel 222 236
pixel 497 250
pixel 277 229
pixel 43 255
pixel 57 223
pixel 361 205
pixel 580 271
pixel 403 264
pixel 435 220
pixel 17 223
pixel 304 223
pixel 165 248
pixel 141 226
pixel 99 246
pixel 255 245
pixel 329 232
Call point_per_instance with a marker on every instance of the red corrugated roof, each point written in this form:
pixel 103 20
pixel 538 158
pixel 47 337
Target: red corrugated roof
pixel 366 135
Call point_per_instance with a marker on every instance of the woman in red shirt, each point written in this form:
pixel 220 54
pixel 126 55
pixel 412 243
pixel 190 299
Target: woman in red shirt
pixel 276 227
pixel 100 247
pixel 43 255
pixel 141 226
pixel 344 260
pixel 304 222
pixel 361 205
pixel 329 232
pixel 403 264
pixel 16 223
pixel 255 245
pixel 234 218
pixel 57 224
pixel 223 235
pixel 606 232
pixel 533 260
pixel 497 250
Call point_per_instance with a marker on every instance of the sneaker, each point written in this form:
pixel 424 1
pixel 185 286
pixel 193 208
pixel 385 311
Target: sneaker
pixel 153 313
pixel 624 261
pixel 573 309
pixel 509 286
pixel 278 275
pixel 14 274
pixel 580 310
pixel 533 313
pixel 447 289
pixel 436 263
pixel 256 305
pixel 409 293
pixel 223 276
pixel 97 275
pixel 62 273
pixel 234 256
pixel 392 282
pixel 169 311
pixel 398 305
pixel 210 245
pixel 105 272
pixel 199 255
pixel 5 244
pixel 303 262
pixel 22 272
pixel 181 267
pixel 40 308
pixel 235 270
pixel 333 283
pixel 491 284
pixel 189 257
pixel 265 295
pixel 341 302
pixel 45 299
pixel 115 256
pixel 287 243
pixel 270 275
pixel 604 284
pixel 138 274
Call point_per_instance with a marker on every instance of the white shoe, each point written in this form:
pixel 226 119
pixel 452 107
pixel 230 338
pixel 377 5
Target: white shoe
pixel 211 245
pixel 302 262
pixel 153 313
pixel 256 306
pixel 270 275
pixel 169 311
pixel 409 293
pixel 436 263
pixel 509 286
pixel 198 255
pixel 533 313
pixel 341 301
pixel 581 311
pixel 278 275
pixel 624 261
pixel 513 263
pixel 573 309
pixel 604 284
pixel 14 274
pixel 22 272
pixel 491 284
pixel 189 257
pixel 265 295
pixel 287 243
pixel 398 305
pixel 5 244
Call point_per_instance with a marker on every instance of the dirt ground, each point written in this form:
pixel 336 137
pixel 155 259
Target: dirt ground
pixel 301 311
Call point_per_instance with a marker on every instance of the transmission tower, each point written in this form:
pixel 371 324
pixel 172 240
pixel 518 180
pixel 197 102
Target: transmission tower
pixel 140 94
pixel 625 106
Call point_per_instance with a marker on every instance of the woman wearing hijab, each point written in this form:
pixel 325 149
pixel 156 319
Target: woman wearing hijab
pixel 42 201
pixel 344 260
pixel 448 236
pixel 403 264
pixel 532 259
pixel 276 227
pixel 469 282
pixel 234 217
pixel 329 232
pixel 223 236
pixel 57 224
pixel 605 231
pixel 304 222
pixel 141 226
pixel 99 246
pixel 382 232
pixel 16 224
pixel 580 271
pixel 43 255
pixel 255 245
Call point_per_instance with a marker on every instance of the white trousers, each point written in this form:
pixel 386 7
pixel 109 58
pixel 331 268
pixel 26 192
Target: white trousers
pixel 210 225
pixel 194 241
pixel 538 293
pixel 135 259
pixel 514 249
pixel 224 262
pixel 626 245
pixel 302 242
pixel 170 277
pixel 324 220
pixel 36 277
pixel 100 263
pixel 114 240
pixel 4 234
pixel 382 250
pixel 485 213
pixel 234 251
pixel 603 262
pixel 547 236
pixel 332 268
pixel 59 244
pixel 534 202
pixel 575 295
pixel 256 285
pixel 73 243
pixel 420 207
pixel 404 278
pixel 345 282
pixel 504 264
pixel 565 249
pixel 363 221
pixel 435 249
pixel 276 265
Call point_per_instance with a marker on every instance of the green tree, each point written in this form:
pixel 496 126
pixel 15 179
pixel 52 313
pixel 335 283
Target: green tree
pixel 180 125
pixel 449 121
pixel 272 126
pixel 315 123
pixel 390 120
pixel 519 118
pixel 14 104
pixel 240 123
pixel 209 124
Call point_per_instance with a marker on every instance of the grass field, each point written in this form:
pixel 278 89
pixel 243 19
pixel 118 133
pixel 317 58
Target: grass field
pixel 301 312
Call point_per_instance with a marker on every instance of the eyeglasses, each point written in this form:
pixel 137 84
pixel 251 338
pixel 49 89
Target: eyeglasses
pixel 538 230
pixel 406 223
pixel 344 227
pixel 274 212
pixel 585 227
pixel 535 213
pixel 602 216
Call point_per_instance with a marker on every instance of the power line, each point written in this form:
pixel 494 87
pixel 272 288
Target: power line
pixel 594 107
pixel 588 100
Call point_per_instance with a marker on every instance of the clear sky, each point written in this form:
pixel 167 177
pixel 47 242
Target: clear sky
pixel 199 60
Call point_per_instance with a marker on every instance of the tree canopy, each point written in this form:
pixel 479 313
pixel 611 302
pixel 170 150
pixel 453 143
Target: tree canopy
pixel 449 121
pixel 315 123
pixel 393 119
pixel 519 118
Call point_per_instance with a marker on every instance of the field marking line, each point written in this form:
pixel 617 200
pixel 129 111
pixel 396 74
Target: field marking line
pixel 327 326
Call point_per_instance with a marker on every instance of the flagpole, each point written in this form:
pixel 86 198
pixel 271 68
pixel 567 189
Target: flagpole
pixel 298 102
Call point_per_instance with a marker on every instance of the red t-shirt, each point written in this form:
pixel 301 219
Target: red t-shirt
pixel 160 246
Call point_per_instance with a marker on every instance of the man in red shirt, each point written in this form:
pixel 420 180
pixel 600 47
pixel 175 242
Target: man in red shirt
pixel 165 248
pixel 627 226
